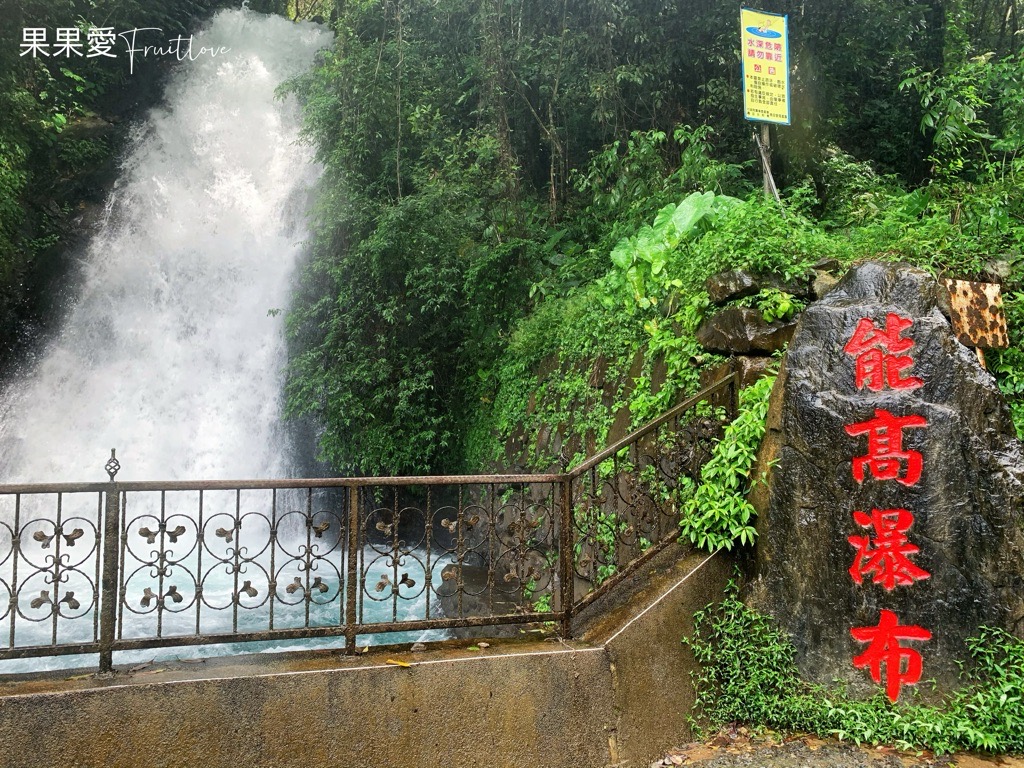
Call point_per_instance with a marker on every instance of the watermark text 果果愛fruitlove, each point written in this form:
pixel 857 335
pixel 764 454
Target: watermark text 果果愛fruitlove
pixel 103 42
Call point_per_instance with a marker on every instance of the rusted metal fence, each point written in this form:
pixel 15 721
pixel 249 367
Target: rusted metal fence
pixel 96 568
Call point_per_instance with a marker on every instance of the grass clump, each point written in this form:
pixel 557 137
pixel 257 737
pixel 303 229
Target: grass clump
pixel 748 674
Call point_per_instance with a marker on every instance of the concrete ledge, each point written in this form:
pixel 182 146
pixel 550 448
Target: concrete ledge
pixel 651 669
pixel 536 705
pixel 619 697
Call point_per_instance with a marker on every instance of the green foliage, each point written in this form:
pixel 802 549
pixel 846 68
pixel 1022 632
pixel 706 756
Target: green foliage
pixel 627 183
pixel 774 303
pixel 747 665
pixel 641 281
pixel 82 155
pixel 1008 364
pixel 952 105
pixel 602 528
pixel 852 192
pixel 508 188
pixel 777 305
pixel 718 515
pixel 520 202
pixel 670 340
pixel 748 675
pixel 971 111
pixel 544 603
pixel 643 260
pixel 990 715
pixel 545 376
pixel 760 237
pixel 390 346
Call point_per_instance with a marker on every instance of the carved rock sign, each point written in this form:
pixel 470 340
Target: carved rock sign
pixel 891 527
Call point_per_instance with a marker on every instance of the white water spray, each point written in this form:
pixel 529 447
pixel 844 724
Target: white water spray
pixel 172 352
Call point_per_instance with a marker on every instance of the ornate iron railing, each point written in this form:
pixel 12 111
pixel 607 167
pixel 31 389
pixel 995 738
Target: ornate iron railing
pixel 118 566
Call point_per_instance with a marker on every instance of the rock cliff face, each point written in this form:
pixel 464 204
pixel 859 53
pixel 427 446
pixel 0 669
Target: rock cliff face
pixel 895 488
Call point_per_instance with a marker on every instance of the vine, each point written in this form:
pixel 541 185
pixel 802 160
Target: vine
pixel 718 514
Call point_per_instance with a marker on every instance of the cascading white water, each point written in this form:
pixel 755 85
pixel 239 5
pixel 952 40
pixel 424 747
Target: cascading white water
pixel 171 352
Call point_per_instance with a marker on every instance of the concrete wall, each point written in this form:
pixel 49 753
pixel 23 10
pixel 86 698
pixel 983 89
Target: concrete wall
pixel 618 697
pixel 650 667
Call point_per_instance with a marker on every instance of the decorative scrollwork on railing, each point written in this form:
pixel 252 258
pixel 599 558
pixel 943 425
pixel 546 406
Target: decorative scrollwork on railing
pixel 395 557
pixel 304 549
pixel 218 562
pixel 48 571
pixel 150 597
pixel 628 503
pixel 318 529
pixel 70 538
pixel 158 578
pixel 172 535
pixel 229 565
pixel 496 550
pixel 458 581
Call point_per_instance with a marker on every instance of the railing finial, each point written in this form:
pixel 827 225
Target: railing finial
pixel 112 465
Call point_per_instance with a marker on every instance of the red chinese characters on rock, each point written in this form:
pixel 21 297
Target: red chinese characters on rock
pixel 882 360
pixel 878 353
pixel 884 648
pixel 886 459
pixel 885 557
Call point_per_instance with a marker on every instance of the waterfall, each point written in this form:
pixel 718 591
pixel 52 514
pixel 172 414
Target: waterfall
pixel 173 348
pixel 172 351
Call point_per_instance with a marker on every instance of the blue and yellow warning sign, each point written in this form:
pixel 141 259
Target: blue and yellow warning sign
pixel 765 52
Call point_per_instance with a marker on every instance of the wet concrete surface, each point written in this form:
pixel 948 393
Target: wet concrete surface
pixel 258 665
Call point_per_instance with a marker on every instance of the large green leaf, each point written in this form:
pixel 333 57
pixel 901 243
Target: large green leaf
pixel 663 221
pixel 659 260
pixel 690 211
pixel 622 256
pixel 646 243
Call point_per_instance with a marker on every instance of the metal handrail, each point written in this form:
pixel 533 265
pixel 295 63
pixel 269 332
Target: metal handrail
pixel 267 485
pixel 729 382
pixel 560 534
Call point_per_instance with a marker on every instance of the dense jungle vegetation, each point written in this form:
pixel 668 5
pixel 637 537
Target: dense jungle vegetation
pixel 523 199
pixel 509 183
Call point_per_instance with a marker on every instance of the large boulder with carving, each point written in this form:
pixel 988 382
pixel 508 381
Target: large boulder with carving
pixel 891 519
